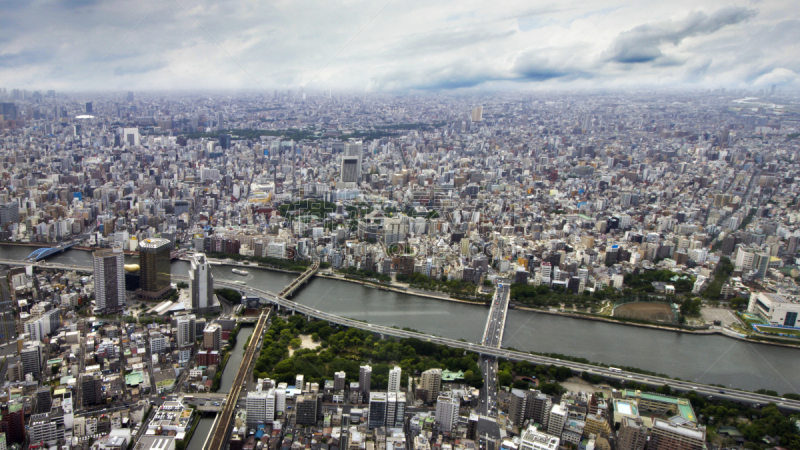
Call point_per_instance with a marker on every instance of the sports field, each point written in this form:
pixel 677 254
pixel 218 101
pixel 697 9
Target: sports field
pixel 653 311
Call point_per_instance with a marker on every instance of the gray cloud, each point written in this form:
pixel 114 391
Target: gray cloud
pixel 447 45
pixel 139 69
pixel 642 43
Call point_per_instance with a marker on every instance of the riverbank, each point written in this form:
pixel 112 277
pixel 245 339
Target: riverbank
pixel 399 290
pixel 710 331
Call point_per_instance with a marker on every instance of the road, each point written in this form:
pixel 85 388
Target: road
pixel 684 386
pixel 493 337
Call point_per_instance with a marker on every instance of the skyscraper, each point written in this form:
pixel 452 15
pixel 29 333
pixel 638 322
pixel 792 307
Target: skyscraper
pixel 364 379
pixel 109 280
pixel 351 172
pixel 394 379
pixel 154 274
pixel 88 107
pixel 202 283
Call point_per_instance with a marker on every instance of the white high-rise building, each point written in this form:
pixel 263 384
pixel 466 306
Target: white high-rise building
pixel 202 283
pixel 394 379
pixel 280 398
pixel 256 405
pixel 109 280
pixel 557 419
pixel 447 412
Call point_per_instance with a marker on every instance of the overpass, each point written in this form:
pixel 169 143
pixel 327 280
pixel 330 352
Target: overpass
pixel 42 253
pixel 305 276
pixel 513 355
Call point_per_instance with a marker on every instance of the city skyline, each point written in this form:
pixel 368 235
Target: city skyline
pixel 392 47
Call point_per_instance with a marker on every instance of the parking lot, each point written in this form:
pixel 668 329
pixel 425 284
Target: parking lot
pixel 724 315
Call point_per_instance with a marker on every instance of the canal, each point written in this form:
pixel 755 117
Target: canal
pixel 705 359
pixel 201 432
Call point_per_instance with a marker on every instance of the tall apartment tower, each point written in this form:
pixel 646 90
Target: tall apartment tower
pixel 109 280
pixel 632 434
pixel 187 333
pixel 212 337
pixel 202 283
pixel 364 380
pixel 13 421
pixel 447 412
pixel 394 379
pixel 431 384
pixel 557 419
pixel 154 272
pixel 339 380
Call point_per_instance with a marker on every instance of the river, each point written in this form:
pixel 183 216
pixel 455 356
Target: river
pixel 201 432
pixel 705 359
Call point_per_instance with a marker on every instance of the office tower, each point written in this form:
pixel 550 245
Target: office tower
pixel 533 439
pixel 130 96
pixel 8 324
pixel 212 337
pixel 9 111
pixel 364 379
pixel 395 409
pixel 308 409
pixel 9 213
pixel 154 274
pixel 186 331
pixel 447 413
pixel 377 409
pixel 477 114
pixel 665 435
pixel 225 141
pixel 13 421
pixel 31 357
pixel 43 400
pixel 88 107
pixel 350 169
pixel 352 149
pixel 109 280
pixel 430 384
pixel 256 405
pixel 202 283
pixel 91 389
pixel 338 381
pixel 556 420
pixel 130 136
pixel 299 382
pixel 394 379
pixel 632 434
pixel 761 264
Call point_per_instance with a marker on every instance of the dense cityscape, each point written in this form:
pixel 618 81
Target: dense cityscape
pixel 136 226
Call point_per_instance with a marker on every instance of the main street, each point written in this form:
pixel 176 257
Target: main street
pixel 613 374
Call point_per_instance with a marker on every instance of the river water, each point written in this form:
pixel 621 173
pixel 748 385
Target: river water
pixel 705 359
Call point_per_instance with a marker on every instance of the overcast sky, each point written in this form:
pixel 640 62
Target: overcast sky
pixel 400 45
